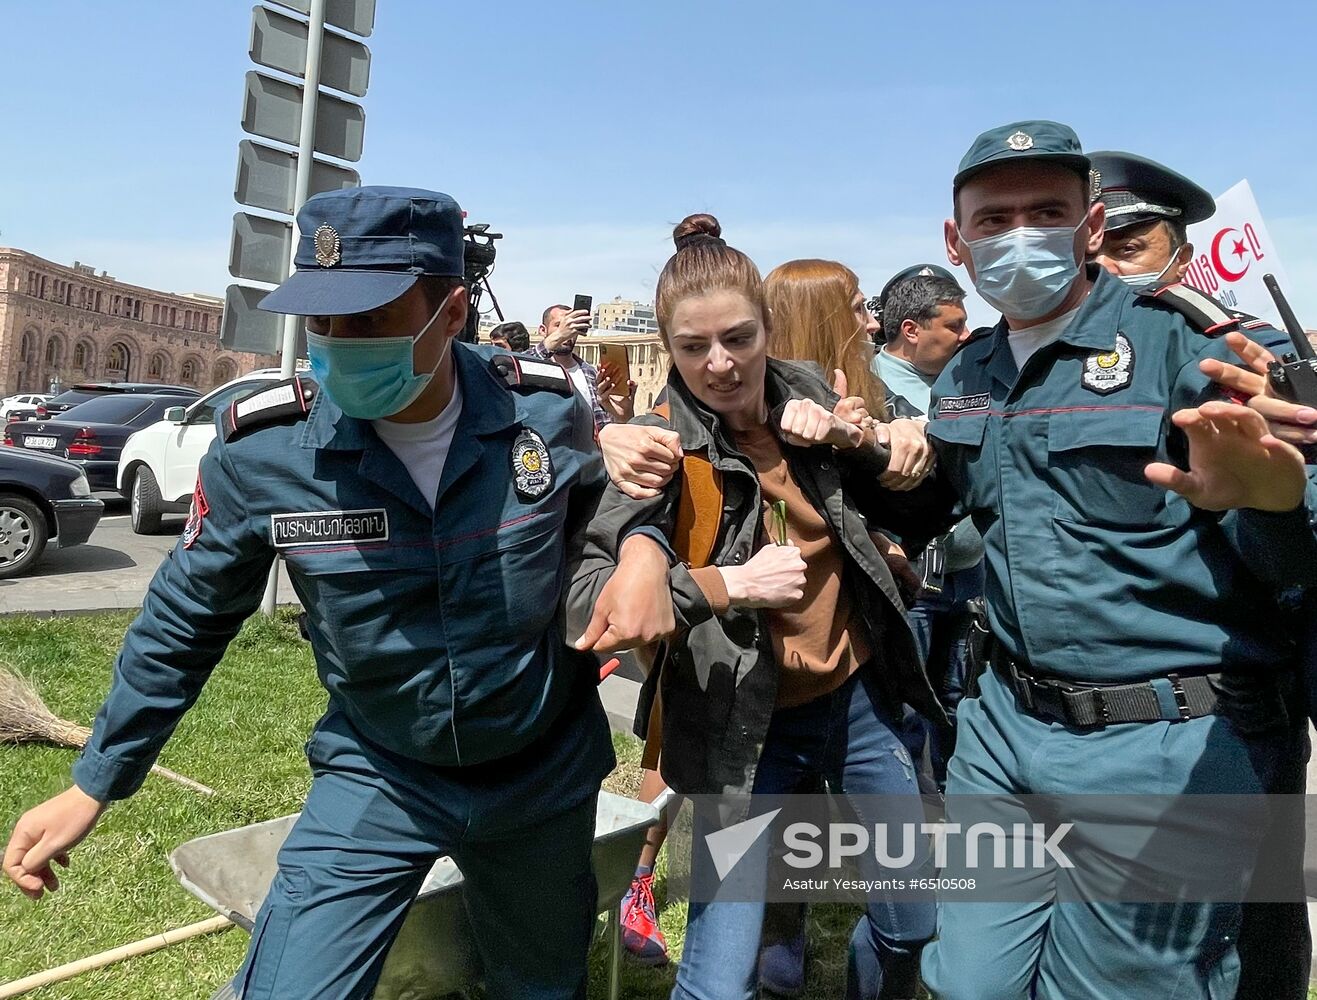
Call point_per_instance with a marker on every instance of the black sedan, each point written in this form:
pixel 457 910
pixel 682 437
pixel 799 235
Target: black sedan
pixel 76 395
pixel 93 433
pixel 43 501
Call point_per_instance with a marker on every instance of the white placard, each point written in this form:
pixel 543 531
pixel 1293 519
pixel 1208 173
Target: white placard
pixel 1232 251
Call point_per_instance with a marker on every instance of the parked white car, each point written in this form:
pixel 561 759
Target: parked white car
pixel 158 466
pixel 26 401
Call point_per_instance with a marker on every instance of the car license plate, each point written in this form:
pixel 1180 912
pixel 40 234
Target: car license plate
pixel 31 441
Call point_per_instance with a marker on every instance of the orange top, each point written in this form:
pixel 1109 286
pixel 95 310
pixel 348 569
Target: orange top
pixel 818 642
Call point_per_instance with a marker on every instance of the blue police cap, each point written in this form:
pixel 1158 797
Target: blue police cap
pixel 1031 140
pixel 1136 189
pixel 363 247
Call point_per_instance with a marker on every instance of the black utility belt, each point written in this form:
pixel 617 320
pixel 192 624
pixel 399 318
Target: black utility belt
pixel 1162 699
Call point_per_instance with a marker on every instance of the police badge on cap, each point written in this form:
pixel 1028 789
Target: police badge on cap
pixel 532 466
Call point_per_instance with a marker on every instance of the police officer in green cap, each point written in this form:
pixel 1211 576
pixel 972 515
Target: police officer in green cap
pixel 1131 524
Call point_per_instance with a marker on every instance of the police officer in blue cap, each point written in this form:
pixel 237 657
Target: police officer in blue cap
pixel 1128 533
pixel 423 498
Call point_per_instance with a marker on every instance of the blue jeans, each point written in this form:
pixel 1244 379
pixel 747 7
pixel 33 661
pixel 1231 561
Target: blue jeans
pixel 850 739
pixel 940 623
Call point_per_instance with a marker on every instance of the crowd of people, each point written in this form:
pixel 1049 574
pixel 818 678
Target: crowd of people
pixel 856 548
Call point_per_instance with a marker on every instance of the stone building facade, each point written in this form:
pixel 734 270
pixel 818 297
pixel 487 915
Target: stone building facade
pixel 72 324
pixel 645 356
pixel 626 316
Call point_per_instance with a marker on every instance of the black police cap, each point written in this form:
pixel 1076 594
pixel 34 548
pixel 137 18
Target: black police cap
pixel 1138 190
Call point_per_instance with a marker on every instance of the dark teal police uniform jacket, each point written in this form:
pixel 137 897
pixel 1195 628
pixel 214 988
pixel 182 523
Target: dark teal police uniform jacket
pixel 437 633
pixel 1093 573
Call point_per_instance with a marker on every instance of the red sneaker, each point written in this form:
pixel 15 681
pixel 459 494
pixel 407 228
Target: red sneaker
pixel 640 930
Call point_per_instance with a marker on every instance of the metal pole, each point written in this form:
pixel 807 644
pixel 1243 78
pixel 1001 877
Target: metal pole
pixel 305 155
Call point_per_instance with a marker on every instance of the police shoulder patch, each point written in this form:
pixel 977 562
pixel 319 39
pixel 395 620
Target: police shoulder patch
pixel 1202 312
pixel 196 515
pixel 529 375
pixel 291 398
pixel 1107 371
pixel 532 466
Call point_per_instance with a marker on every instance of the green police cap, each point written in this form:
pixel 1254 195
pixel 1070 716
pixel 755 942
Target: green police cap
pixel 1136 189
pixel 1031 140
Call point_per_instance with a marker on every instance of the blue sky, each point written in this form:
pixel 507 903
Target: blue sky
pixel 584 130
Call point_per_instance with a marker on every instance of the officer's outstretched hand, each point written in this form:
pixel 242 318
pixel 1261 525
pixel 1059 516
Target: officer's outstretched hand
pixel 1234 462
pixel 640 460
pixel 47 833
pixel 1287 421
pixel 635 606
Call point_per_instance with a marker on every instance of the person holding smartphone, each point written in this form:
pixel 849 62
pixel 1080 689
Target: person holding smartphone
pixel 560 327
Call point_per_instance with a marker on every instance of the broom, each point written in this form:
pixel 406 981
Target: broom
pixel 143 947
pixel 24 718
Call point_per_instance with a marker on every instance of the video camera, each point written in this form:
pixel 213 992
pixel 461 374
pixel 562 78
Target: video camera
pixel 479 253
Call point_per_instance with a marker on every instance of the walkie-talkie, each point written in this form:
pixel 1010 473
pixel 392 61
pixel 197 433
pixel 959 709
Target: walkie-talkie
pixel 1294 376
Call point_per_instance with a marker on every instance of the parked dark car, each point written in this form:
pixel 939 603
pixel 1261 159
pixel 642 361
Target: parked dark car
pixel 75 395
pixel 44 502
pixel 93 433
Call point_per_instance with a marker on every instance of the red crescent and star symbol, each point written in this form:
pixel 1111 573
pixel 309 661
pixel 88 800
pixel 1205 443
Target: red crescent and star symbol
pixel 1239 252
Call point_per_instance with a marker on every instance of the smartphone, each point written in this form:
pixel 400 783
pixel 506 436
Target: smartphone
pixel 582 302
pixel 615 357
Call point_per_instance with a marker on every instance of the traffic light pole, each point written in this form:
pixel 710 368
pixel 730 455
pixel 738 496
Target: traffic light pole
pixel 305 159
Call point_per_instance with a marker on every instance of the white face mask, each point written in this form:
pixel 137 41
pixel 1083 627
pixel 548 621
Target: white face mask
pixel 1149 277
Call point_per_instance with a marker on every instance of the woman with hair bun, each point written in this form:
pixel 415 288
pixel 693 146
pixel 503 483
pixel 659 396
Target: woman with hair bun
pixel 641 935
pixel 792 656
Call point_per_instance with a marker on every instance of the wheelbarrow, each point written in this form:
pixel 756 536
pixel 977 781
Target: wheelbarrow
pixel 435 954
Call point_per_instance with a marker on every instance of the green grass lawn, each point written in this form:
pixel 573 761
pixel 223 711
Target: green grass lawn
pixel 244 738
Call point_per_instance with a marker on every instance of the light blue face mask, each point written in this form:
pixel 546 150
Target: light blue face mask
pixel 1025 272
pixel 1149 277
pixel 371 377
